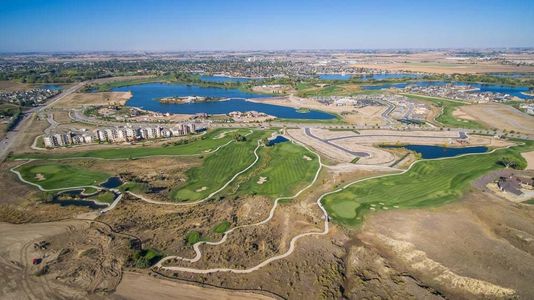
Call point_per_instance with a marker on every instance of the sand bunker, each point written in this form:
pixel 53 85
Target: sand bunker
pixel 201 189
pixel 307 157
pixel 39 177
pixel 262 180
pixel 529 157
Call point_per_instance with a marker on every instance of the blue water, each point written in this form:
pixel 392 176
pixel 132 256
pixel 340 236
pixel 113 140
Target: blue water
pixel 145 96
pixel 511 90
pixel 278 139
pixel 51 87
pixel 368 77
pixel 335 76
pixel 223 79
pixel 77 200
pixel 439 152
pixel 111 182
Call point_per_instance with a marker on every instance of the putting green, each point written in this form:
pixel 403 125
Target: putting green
pixel 52 175
pixel 285 167
pixel 218 168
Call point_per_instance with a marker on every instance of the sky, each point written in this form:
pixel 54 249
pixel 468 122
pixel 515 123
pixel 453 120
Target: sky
pixel 134 25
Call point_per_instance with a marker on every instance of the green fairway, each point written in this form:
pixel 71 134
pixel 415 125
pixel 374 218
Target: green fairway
pixel 105 197
pixel 427 183
pixel 221 227
pixel 446 117
pixel 218 168
pixel 193 237
pixel 51 175
pixel 284 167
pixel 208 142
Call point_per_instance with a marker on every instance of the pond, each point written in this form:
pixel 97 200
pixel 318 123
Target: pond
pixel 111 183
pixel 516 91
pixel 146 96
pixel 278 139
pixel 75 198
pixel 428 152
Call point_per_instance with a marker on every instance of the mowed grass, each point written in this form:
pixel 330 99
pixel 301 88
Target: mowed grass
pixel 207 142
pixel 446 117
pixel 218 168
pixel 427 183
pixel 285 168
pixel 52 175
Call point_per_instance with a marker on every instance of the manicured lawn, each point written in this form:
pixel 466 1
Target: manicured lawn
pixel 448 106
pixel 218 168
pixel 285 168
pixel 221 227
pixel 204 143
pixel 193 237
pixel 105 197
pixel 427 183
pixel 52 175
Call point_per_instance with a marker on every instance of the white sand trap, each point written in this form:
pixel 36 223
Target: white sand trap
pixel 306 157
pixel 262 180
pixel 206 151
pixel 39 177
pixel 223 134
pixel 202 189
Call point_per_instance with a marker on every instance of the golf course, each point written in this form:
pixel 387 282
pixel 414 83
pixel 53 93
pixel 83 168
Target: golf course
pixel 55 176
pixel 426 183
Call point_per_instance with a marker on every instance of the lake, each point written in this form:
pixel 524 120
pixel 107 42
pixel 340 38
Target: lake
pixel 51 87
pixel 503 89
pixel 367 77
pixel 428 152
pixel 145 96
pixel 223 79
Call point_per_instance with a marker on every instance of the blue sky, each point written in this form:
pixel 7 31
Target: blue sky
pixel 79 25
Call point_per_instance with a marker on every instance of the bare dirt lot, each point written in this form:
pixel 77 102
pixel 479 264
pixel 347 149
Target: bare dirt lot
pixel 500 116
pixel 106 98
pixel 143 287
pixel 368 115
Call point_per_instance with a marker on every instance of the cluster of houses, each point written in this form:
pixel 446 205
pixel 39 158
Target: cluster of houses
pixel 29 97
pixel 458 92
pixel 118 134
pixel 515 184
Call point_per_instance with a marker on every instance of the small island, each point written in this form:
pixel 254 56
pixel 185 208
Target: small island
pixel 189 99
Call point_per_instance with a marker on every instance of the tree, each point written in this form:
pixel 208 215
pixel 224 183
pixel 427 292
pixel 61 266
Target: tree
pixel 509 162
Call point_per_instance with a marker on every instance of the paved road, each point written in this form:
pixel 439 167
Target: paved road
pixel 11 136
pixel 355 153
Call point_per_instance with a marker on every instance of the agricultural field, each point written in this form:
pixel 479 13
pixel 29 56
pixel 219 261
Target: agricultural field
pixel 427 183
pixel 55 175
pixel 446 117
pixel 218 168
pixel 283 169
pixel 204 144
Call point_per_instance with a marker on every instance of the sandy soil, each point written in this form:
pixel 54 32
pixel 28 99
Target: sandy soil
pixel 494 244
pixel 529 157
pixel 358 116
pixel 8 85
pixel 141 286
pixel 76 100
pixel 460 114
pixel 500 116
